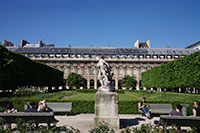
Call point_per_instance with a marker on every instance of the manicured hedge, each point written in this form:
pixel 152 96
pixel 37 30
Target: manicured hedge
pixel 17 70
pixel 180 73
pixel 125 107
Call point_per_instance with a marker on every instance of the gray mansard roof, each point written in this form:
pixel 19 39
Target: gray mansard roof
pixel 104 51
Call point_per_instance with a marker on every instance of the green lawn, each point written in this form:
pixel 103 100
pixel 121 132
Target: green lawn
pixel 126 96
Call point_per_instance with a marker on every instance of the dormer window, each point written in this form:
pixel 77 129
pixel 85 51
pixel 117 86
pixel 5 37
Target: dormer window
pixel 148 56
pixel 58 55
pixel 65 55
pixel 169 57
pixel 72 55
pixel 51 55
pixel 161 57
pixel 30 55
pixel 44 55
pixel 176 56
pixel 78 55
pixel 155 56
pixel 141 56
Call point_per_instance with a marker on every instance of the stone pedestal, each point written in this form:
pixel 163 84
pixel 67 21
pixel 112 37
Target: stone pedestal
pixel 106 109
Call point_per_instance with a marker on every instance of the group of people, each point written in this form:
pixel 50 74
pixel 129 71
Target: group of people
pixel 40 107
pixel 32 107
pixel 145 108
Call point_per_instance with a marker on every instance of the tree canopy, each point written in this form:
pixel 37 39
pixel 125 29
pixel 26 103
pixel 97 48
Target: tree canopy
pixel 129 82
pixel 75 80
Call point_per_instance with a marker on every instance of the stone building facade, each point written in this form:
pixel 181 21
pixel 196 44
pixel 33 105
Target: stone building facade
pixel 124 61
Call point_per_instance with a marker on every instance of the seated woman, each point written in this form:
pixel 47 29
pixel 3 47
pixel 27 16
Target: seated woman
pixel 196 109
pixel 177 112
pixel 10 109
pixel 144 107
pixel 42 107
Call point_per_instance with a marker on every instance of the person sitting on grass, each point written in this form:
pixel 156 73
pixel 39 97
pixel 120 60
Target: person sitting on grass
pixel 177 112
pixel 144 107
pixel 32 107
pixel 196 109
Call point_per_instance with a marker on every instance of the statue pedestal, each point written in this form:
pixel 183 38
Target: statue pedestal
pixel 106 109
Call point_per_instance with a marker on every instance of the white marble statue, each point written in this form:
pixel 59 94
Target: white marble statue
pixel 104 75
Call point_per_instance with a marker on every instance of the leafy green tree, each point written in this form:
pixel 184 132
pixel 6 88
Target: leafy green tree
pixel 129 82
pixel 75 80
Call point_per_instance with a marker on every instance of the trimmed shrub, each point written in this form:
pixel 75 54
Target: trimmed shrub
pixel 180 73
pixel 18 71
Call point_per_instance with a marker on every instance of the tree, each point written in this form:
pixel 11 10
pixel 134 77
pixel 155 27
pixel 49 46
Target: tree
pixel 129 82
pixel 75 80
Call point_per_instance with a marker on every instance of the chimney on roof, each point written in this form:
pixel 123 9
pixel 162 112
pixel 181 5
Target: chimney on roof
pixel 23 43
pixel 139 44
pixel 136 45
pixel 148 43
pixel 7 43
pixel 41 44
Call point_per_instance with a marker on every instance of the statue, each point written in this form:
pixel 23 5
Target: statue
pixel 106 101
pixel 104 75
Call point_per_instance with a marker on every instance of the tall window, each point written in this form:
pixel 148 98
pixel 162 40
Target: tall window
pixel 79 71
pixel 113 71
pixel 91 71
pixel 120 71
pixel 71 70
pixel 127 71
pixel 65 70
pixel 85 71
pixel 141 70
pixel 134 72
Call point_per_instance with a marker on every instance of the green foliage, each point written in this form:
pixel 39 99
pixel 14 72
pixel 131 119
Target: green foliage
pixel 75 80
pixel 149 128
pixel 21 92
pixel 129 82
pixel 181 73
pixel 86 90
pixel 18 71
pixel 82 107
pixel 30 127
pixel 103 127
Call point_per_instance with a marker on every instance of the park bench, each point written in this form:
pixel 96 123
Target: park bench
pixel 57 107
pixel 189 121
pixel 36 117
pixel 160 108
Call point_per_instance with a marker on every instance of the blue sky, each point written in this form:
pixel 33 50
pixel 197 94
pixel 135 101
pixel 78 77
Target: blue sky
pixel 101 23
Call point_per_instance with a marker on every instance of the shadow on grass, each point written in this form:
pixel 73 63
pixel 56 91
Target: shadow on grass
pixel 130 122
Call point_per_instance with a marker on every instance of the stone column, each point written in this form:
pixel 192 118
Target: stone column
pixel 116 78
pixel 123 71
pixel 81 69
pixel 75 69
pixel 138 78
pixel 88 77
pixel 95 78
pixel 67 70
pixel 130 71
